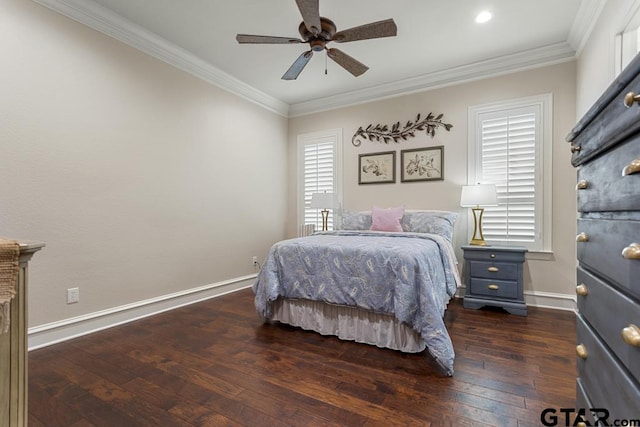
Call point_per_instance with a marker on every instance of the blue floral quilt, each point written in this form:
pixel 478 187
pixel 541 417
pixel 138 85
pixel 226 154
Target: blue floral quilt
pixel 411 276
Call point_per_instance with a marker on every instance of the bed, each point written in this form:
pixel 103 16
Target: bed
pixel 385 286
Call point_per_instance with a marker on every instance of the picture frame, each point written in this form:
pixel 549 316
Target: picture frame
pixel 377 168
pixel 422 164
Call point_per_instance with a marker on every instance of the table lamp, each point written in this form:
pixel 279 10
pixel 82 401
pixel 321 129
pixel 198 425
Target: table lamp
pixel 324 201
pixel 474 196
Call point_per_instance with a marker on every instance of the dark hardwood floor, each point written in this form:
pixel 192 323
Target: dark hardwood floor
pixel 215 363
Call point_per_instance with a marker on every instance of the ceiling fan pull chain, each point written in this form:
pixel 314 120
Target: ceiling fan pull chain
pixel 325 62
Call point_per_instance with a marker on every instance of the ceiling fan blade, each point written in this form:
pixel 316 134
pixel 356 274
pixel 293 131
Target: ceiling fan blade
pixel 374 30
pixel 347 62
pixel 248 38
pixel 296 68
pixel 310 11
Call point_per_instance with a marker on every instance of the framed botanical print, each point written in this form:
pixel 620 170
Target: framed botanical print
pixel 422 164
pixel 377 168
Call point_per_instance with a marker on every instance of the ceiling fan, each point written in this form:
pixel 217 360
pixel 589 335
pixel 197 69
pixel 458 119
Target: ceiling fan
pixel 318 31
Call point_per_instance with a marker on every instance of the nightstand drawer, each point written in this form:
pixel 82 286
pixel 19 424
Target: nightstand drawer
pixel 494 254
pixel 493 270
pixel 494 288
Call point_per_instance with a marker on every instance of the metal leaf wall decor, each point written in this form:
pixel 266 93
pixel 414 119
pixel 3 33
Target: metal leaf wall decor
pixel 383 133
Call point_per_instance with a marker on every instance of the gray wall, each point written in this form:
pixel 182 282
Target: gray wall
pixel 141 179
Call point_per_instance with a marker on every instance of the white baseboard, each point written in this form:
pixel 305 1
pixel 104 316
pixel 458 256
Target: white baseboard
pixel 541 299
pixel 63 330
pixel 551 300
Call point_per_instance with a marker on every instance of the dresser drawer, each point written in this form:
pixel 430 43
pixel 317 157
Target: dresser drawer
pixel 584 402
pixel 494 288
pixel 602 185
pixel 602 251
pixel 613 123
pixel 609 312
pixel 608 384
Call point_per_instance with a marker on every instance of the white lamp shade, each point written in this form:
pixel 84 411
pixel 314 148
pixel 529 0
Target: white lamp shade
pixel 323 200
pixel 479 195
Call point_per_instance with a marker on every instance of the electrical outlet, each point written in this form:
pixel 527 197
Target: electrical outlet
pixel 255 261
pixel 73 295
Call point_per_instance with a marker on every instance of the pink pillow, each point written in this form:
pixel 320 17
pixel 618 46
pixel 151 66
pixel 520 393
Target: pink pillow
pixel 387 219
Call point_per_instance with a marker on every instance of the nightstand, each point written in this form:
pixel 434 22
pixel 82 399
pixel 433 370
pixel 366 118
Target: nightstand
pixel 493 275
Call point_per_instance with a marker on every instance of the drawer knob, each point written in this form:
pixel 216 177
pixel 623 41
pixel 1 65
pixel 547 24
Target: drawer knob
pixel 582 237
pixel 493 269
pixel 632 251
pixel 630 98
pixel 492 256
pixel 631 335
pixel 581 351
pixel 582 185
pixel 581 424
pixel 493 287
pixel 575 148
pixel 632 168
pixel 582 290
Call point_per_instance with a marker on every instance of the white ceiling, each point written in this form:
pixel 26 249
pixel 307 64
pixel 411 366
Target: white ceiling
pixel 438 42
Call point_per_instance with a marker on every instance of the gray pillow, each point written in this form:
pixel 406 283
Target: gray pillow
pixel 355 220
pixel 434 222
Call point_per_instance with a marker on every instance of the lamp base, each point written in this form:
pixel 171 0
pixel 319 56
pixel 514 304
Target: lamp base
pixel 325 219
pixel 478 242
pixel 478 237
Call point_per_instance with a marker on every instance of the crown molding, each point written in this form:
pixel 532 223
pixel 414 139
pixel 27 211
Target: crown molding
pixel 534 58
pixel 107 22
pixel 586 18
pixel 93 15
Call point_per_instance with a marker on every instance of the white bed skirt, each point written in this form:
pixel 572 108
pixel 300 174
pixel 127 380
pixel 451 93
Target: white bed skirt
pixel 348 323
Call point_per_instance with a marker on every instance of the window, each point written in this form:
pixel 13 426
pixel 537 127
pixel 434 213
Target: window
pixel 627 43
pixel 319 171
pixel 510 146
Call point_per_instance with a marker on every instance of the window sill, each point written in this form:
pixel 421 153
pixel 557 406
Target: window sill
pixel 541 255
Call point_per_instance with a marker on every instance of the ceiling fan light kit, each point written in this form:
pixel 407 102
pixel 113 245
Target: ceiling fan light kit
pixel 317 31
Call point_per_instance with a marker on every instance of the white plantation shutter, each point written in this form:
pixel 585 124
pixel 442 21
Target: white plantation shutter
pixel 508 146
pixel 508 152
pixel 318 178
pixel 319 162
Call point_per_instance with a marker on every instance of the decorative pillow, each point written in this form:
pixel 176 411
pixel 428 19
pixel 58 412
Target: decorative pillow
pixel 386 219
pixel 434 222
pixel 356 221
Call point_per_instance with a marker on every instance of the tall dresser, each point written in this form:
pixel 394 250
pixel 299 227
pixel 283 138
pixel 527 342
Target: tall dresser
pixel 606 150
pixel 13 349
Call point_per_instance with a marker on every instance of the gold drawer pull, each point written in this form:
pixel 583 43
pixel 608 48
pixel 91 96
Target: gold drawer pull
pixel 630 98
pixel 582 290
pixel 582 185
pixel 581 351
pixel 632 251
pixel 581 424
pixel 582 237
pixel 493 269
pixel 575 148
pixel 632 168
pixel 631 335
pixel 493 287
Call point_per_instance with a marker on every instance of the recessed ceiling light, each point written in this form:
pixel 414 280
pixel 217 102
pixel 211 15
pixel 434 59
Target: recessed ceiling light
pixel 483 17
